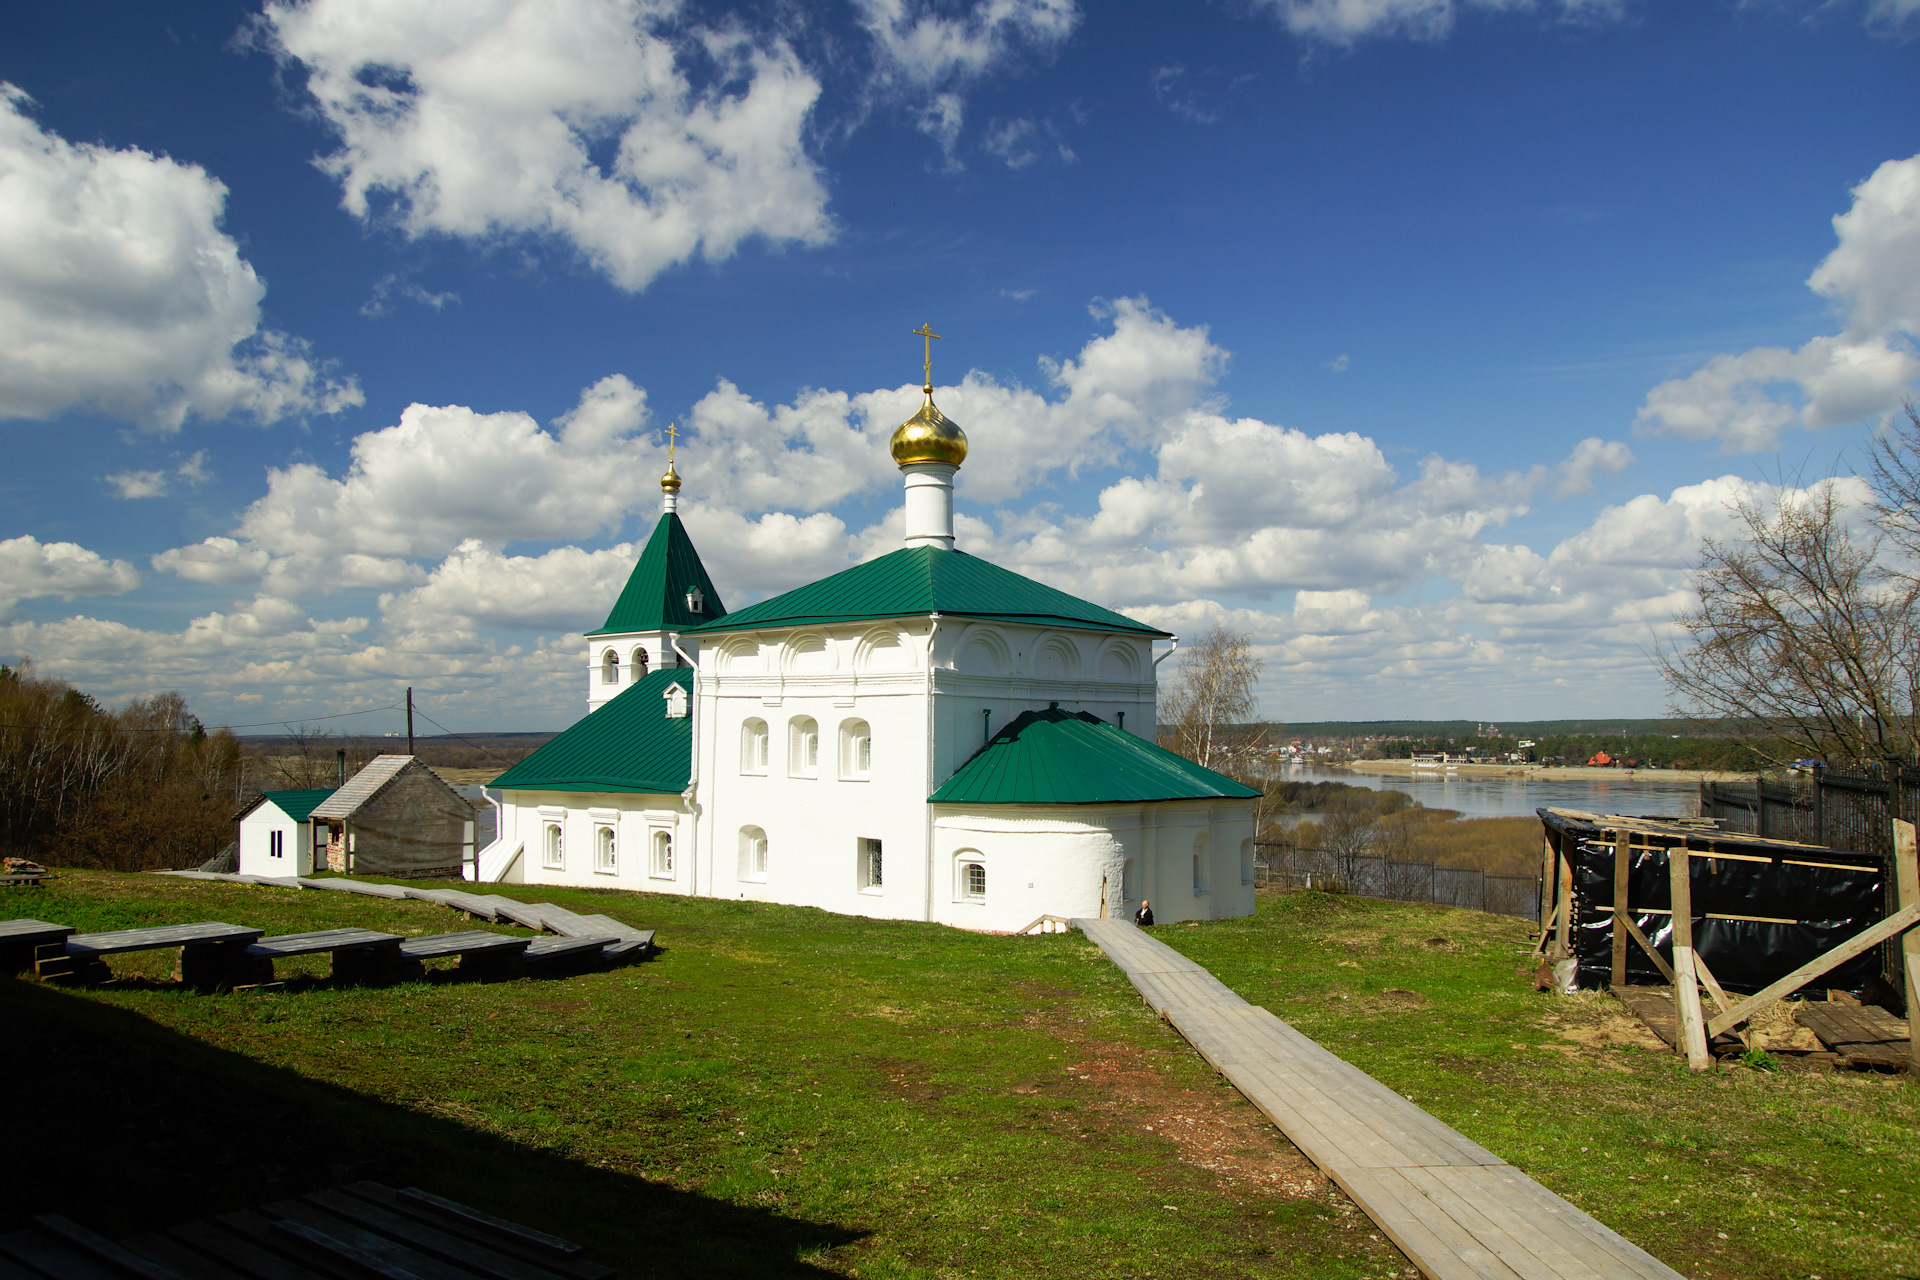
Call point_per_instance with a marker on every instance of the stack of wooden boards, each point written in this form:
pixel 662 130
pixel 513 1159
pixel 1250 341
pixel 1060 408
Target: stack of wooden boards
pixel 215 955
pixel 359 1230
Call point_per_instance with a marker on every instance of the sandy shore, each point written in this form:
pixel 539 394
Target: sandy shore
pixel 1405 769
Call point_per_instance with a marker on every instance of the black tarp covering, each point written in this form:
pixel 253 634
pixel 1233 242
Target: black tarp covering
pixel 1829 904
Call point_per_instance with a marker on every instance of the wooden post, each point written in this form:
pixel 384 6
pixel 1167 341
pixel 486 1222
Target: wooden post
pixel 1907 873
pixel 1564 940
pixel 1686 983
pixel 1622 863
pixel 1547 881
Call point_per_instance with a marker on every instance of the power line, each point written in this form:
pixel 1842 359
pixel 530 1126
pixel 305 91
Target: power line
pixel 451 734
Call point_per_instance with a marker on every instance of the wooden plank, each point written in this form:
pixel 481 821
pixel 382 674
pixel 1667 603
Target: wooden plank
pixel 1705 975
pixel 519 912
pixel 306 944
pixel 239 1253
pixel 123 1260
pixel 49 1255
pixel 193 1265
pixel 521 1241
pixel 560 948
pixel 1622 863
pixel 1686 987
pixel 1659 961
pixel 158 938
pixel 471 942
pixel 1906 859
pixel 417 1235
pixel 33 931
pixel 1563 942
pixel 365 1248
pixel 1901 920
pixel 1456 1209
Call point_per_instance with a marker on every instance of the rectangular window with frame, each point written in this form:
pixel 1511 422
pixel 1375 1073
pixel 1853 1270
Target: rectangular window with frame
pixel 606 854
pixel 553 848
pixel 276 844
pixel 662 868
pixel 973 881
pixel 872 869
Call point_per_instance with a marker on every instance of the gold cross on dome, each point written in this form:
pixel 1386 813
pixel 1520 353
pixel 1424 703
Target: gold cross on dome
pixel 673 438
pixel 926 331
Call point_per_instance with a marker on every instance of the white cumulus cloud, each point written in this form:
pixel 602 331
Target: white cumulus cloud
pixel 1343 22
pixel 120 293
pixel 30 568
pixel 931 56
pixel 576 119
pixel 1873 277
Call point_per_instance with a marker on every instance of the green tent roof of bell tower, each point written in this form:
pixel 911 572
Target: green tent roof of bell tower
pixel 655 597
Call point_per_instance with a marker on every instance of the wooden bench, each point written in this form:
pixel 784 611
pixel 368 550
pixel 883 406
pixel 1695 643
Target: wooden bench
pixel 481 954
pixel 21 940
pixel 359 955
pixel 211 953
pixel 363 1229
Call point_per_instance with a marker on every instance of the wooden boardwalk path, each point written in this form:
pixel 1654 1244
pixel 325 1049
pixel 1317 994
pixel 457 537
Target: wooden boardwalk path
pixel 1456 1210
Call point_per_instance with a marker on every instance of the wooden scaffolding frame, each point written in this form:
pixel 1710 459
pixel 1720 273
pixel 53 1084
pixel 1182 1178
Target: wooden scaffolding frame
pixel 1683 840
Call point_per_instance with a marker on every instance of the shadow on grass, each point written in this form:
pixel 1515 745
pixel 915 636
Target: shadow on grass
pixel 129 1126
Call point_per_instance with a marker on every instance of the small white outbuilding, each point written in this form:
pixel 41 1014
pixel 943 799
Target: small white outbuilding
pixel 276 839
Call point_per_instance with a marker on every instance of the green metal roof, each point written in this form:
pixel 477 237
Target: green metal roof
pixel 297 804
pixel 655 597
pixel 924 580
pixel 629 744
pixel 1067 757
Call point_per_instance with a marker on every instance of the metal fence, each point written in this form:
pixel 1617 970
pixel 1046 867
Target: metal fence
pixel 1288 866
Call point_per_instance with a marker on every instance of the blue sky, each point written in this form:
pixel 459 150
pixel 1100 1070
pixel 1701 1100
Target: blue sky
pixel 1423 340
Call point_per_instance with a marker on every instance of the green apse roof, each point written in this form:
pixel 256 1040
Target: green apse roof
pixel 1067 757
pixel 629 744
pixel 655 597
pixel 923 580
pixel 297 804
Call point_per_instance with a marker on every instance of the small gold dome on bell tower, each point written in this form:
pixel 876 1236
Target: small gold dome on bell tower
pixel 670 482
pixel 928 436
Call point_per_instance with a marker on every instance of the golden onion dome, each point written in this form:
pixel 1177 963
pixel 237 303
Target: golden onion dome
pixel 670 482
pixel 928 436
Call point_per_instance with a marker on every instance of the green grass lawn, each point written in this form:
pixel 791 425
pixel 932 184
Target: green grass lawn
pixel 787 1092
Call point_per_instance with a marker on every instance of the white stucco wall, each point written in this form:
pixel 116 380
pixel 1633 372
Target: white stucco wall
pixel 256 842
pixel 1058 860
pixel 628 645
pixel 634 819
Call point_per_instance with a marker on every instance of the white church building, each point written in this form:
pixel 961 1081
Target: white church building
pixel 924 736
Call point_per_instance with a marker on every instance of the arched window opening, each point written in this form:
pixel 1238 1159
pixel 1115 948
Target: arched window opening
pixel 871 866
pixel 555 859
pixel 663 855
pixel 1200 864
pixel 605 855
pixel 973 881
pixel 640 663
pixel 753 854
pixel 803 747
pixel 856 750
pixel 610 668
pixel 1129 881
pixel 753 746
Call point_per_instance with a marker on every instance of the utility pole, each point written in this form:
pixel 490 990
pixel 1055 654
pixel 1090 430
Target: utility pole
pixel 409 719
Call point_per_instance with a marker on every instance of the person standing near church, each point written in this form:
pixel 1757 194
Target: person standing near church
pixel 1144 916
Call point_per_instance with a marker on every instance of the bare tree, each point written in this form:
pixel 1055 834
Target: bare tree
pixel 1806 637
pixel 1210 704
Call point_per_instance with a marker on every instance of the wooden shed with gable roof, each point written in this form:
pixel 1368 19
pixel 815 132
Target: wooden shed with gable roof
pixel 396 817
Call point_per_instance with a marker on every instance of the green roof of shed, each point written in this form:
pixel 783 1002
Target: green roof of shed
pixel 926 580
pixel 655 597
pixel 1067 757
pixel 298 804
pixel 629 744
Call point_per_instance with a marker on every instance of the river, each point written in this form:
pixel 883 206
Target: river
pixel 1502 797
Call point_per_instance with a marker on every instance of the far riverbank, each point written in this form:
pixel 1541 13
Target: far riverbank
pixel 1545 773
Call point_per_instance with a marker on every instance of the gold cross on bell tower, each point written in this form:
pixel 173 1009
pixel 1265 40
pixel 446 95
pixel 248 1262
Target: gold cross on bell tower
pixel 673 438
pixel 926 331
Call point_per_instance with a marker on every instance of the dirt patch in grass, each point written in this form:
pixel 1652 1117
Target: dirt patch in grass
pixel 1119 1089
